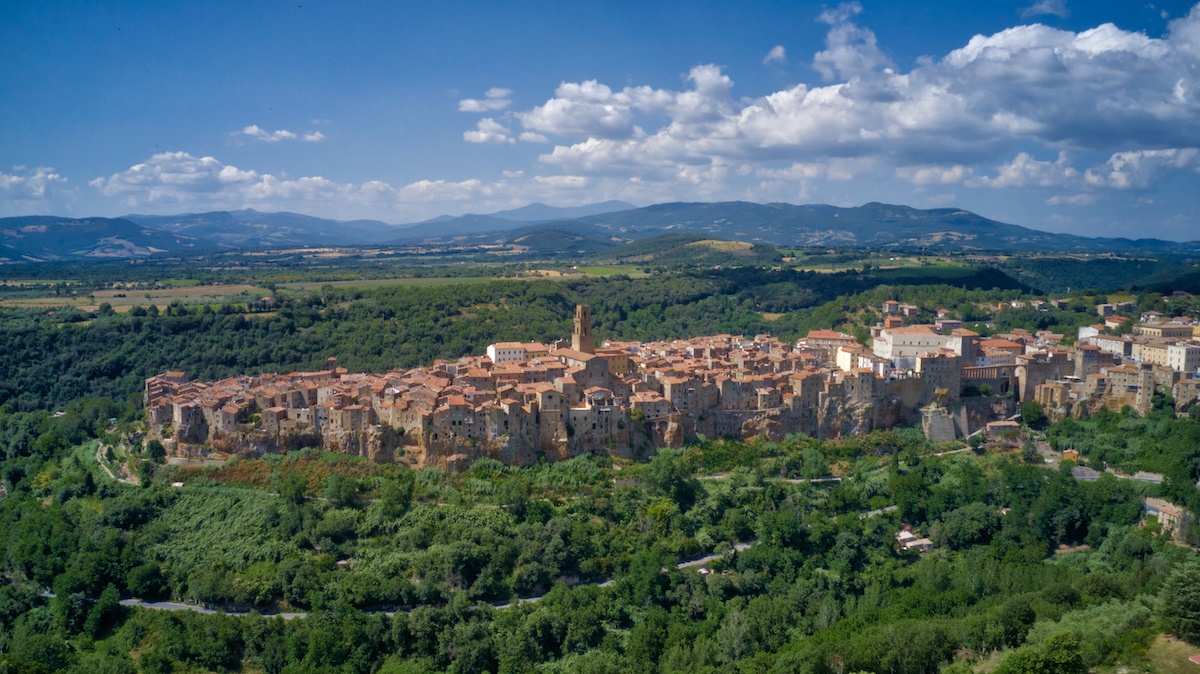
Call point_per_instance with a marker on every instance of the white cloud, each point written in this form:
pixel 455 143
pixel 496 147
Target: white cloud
pixel 1026 171
pixel 174 181
pixel 531 137
pixel 777 55
pixel 1133 170
pixel 1073 199
pixel 850 51
pixel 488 130
pixel 944 121
pixel 585 108
pixel 934 175
pixel 493 99
pixel 1046 7
pixel 34 191
pixel 1142 168
pixel 268 136
pixel 314 137
pixel 25 185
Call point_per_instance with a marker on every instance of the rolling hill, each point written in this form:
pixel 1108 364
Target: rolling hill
pixel 873 225
pixel 690 248
pixel 253 229
pixel 46 238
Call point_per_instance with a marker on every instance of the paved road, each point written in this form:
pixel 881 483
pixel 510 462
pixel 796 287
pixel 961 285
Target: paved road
pixel 178 606
pixel 880 511
pixel 952 451
pixel 703 561
pixel 793 480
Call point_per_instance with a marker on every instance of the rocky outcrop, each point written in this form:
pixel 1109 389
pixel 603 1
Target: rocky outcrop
pixel 836 419
pixel 768 427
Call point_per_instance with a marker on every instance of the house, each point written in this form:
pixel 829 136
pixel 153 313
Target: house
pixel 1115 322
pixel 1166 513
pixel 996 428
pixel 910 541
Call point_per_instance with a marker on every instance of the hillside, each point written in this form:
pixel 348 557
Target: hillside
pixel 253 229
pixel 690 248
pixel 44 238
pixel 562 239
pixel 453 228
pixel 872 225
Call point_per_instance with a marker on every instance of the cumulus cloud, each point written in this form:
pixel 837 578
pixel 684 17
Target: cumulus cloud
pixel 260 134
pixel 493 99
pixel 1026 171
pixel 850 50
pixel 1046 7
pixel 945 121
pixel 777 55
pixel 257 133
pixel 934 175
pixel 488 130
pixel 585 108
pixel 1142 168
pixel 30 185
pixel 171 181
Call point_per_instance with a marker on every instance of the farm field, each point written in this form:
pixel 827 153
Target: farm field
pixel 122 300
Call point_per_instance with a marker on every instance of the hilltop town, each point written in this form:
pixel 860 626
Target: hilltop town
pixel 524 401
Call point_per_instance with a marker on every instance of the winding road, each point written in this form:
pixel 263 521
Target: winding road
pixel 179 606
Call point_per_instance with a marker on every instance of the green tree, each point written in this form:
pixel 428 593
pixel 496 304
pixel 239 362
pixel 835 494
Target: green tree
pixel 1179 602
pixel 1034 415
pixel 106 613
pixel 1060 654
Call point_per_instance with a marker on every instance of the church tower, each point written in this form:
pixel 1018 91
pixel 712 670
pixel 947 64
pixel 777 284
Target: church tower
pixel 581 338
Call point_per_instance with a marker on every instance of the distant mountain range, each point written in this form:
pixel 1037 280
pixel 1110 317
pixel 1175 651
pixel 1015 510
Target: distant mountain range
pixel 873 225
pixel 575 231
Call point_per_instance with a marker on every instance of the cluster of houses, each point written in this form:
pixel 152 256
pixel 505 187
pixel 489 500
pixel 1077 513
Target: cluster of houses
pixel 521 400
pixel 1118 370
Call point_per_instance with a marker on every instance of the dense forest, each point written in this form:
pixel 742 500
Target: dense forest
pixel 1032 570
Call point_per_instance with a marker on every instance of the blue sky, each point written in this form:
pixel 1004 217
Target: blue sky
pixel 1054 114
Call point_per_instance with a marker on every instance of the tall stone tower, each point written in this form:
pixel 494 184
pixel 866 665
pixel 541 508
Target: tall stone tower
pixel 581 338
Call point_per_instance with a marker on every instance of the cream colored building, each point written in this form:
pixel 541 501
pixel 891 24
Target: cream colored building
pixel 1183 357
pixel 903 345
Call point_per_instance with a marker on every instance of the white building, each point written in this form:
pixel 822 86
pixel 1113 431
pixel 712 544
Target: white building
pixel 1183 357
pixel 501 352
pixel 903 345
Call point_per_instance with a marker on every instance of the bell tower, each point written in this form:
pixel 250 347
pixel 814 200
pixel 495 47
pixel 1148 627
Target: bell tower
pixel 581 338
